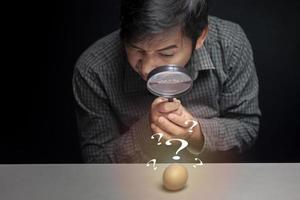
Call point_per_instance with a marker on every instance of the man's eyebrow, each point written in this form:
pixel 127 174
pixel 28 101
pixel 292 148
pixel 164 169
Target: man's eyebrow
pixel 173 46
pixel 162 49
pixel 136 47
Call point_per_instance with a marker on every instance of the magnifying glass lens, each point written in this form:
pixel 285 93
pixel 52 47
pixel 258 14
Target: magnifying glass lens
pixel 169 81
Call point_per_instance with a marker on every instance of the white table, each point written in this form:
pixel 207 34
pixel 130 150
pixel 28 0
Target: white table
pixel 138 182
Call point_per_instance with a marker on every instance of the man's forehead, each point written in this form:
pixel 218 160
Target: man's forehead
pixel 160 40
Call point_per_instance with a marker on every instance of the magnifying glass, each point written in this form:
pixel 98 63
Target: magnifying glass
pixel 169 81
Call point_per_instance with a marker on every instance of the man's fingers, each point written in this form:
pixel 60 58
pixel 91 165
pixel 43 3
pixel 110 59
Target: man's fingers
pixel 166 107
pixel 158 101
pixel 177 100
pixel 156 129
pixel 179 120
pixel 179 110
pixel 170 127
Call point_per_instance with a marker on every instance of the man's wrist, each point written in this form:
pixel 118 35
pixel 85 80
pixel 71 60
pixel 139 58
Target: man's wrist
pixel 196 141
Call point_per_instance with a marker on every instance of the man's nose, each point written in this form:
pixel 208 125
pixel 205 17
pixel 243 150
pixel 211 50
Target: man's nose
pixel 147 65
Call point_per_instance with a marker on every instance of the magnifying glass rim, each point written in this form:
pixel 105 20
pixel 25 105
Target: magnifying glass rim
pixel 163 68
pixel 169 68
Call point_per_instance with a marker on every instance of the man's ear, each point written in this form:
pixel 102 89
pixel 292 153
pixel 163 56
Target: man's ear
pixel 201 38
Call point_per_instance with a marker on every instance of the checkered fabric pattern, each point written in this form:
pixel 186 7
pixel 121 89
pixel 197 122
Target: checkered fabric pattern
pixel 112 101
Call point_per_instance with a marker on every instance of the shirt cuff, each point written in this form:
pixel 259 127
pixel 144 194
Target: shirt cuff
pixel 207 127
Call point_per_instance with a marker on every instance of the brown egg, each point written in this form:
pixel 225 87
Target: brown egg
pixel 175 177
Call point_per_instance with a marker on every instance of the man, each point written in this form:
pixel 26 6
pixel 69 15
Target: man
pixel 117 115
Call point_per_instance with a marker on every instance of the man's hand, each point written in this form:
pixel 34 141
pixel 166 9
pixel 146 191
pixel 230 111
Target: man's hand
pixel 170 119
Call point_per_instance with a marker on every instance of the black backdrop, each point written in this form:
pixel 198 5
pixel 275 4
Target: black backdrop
pixel 49 37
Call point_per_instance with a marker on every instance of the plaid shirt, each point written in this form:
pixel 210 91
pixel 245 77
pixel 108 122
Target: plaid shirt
pixel 112 101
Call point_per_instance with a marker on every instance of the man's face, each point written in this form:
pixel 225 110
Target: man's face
pixel 170 47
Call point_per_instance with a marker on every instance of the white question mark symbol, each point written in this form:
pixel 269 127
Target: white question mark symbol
pixel 183 145
pixel 193 125
pixel 199 164
pixel 153 161
pixel 160 136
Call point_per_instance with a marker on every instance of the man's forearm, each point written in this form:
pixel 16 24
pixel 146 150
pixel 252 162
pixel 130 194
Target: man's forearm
pixel 222 134
pixel 131 146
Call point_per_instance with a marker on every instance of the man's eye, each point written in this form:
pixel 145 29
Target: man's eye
pixel 141 52
pixel 166 55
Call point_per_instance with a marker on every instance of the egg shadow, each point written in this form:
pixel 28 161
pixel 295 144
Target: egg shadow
pixel 162 188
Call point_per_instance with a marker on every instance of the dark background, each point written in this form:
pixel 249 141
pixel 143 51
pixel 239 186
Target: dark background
pixel 47 38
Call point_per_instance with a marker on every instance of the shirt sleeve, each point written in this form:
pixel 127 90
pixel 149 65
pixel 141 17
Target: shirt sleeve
pixel 238 124
pixel 99 131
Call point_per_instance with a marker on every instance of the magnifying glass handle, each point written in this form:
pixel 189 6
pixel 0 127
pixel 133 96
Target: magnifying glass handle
pixel 170 99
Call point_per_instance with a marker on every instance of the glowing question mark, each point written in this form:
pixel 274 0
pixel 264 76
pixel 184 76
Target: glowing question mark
pixel 183 145
pixel 199 164
pixel 160 136
pixel 153 161
pixel 193 125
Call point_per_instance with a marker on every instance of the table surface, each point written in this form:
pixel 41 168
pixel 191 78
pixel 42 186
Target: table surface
pixel 240 181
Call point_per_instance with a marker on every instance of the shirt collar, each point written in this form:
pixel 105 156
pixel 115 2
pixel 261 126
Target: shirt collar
pixel 200 60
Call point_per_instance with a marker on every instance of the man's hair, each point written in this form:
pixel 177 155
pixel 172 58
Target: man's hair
pixel 142 19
